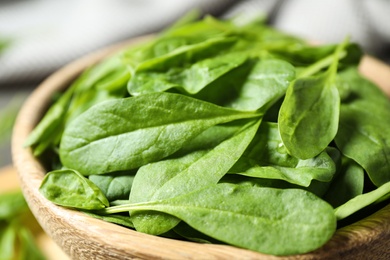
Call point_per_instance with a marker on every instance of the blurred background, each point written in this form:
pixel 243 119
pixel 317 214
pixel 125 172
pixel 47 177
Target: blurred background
pixel 39 36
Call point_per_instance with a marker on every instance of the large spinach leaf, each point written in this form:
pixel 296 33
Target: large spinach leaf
pixel 193 171
pixel 297 219
pixel 127 133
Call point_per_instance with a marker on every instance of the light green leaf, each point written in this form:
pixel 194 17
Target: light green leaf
pixel 361 201
pixel 71 189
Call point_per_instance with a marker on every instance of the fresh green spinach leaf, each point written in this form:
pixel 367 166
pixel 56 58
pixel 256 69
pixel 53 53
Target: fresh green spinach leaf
pixel 190 67
pixel 347 184
pixel 363 200
pixel 309 115
pixel 71 189
pixel 114 186
pixel 267 158
pixel 269 217
pixel 363 128
pixel 127 133
pixel 174 177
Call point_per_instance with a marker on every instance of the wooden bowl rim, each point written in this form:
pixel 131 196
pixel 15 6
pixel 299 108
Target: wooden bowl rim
pixel 67 226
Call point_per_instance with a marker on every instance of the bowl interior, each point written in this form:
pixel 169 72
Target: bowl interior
pixel 82 236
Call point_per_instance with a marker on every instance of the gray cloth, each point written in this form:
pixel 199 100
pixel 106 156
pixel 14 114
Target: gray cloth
pixel 47 34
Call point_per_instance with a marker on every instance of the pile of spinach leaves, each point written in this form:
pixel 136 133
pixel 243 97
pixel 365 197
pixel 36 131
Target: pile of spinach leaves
pixel 221 133
pixel 17 226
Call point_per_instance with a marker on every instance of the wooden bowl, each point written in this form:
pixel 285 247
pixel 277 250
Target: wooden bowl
pixel 84 237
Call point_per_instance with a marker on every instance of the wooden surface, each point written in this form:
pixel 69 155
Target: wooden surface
pixel 9 181
pixel 83 237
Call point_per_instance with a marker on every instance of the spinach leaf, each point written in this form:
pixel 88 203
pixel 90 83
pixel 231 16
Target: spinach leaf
pixel 29 249
pixel 363 128
pixel 257 84
pixel 106 80
pixel 297 219
pixel 187 232
pixel 16 224
pixel 347 185
pixel 363 200
pixel 46 132
pixel 7 241
pixel 267 158
pixel 11 205
pixel 303 55
pixel 127 133
pixel 309 115
pixel 173 177
pixel 114 186
pixel 113 218
pixel 191 67
pixel 71 189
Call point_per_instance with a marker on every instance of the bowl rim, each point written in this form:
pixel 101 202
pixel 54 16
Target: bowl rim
pixel 68 227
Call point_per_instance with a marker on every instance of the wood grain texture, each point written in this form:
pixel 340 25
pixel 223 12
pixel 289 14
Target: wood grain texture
pixel 83 237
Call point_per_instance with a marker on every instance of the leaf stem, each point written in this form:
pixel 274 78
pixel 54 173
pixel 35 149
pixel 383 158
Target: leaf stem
pixel 319 65
pixel 124 208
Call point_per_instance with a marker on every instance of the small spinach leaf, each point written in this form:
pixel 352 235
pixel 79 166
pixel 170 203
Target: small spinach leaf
pixel 71 189
pixel 267 158
pixel 309 115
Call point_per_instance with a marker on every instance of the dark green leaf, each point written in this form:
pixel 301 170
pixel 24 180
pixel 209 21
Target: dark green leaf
pixel 347 185
pixel 113 218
